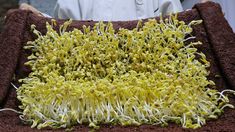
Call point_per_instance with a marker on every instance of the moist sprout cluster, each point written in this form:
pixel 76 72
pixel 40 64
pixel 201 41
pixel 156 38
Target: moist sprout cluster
pixel 147 75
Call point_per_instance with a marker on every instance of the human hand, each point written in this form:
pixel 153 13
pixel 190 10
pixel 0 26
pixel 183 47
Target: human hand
pixel 203 1
pixel 25 6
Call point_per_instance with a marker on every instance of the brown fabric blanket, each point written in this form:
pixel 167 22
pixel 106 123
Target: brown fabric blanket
pixel 215 33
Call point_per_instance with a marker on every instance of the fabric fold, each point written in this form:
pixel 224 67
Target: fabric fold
pixel 221 37
pixel 10 46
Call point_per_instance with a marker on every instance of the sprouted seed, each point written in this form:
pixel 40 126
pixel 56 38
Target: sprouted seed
pixel 148 75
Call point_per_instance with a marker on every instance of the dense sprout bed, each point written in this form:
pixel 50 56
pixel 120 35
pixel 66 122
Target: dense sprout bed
pixel 147 75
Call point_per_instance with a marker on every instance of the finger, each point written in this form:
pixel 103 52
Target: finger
pixel 25 6
pixel 203 1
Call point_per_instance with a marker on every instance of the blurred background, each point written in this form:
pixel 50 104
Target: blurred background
pixel 4 6
pixel 47 7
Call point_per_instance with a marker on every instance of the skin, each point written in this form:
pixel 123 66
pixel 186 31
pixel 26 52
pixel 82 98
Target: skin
pixel 203 1
pixel 25 6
